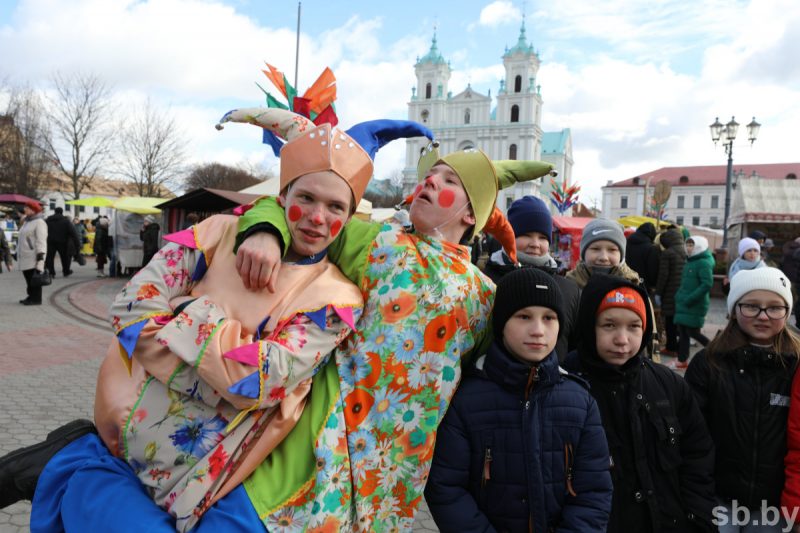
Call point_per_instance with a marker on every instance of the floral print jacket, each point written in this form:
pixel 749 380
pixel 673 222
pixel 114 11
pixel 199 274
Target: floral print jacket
pixel 426 306
pixel 215 375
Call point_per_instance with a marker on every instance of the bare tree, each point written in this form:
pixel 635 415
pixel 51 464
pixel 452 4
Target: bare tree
pixel 81 135
pixel 152 151
pixel 24 162
pixel 219 176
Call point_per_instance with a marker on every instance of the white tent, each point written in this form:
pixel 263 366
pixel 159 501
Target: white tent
pixel 269 187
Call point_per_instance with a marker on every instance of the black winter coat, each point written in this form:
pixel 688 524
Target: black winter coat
pixel 745 399
pixel 60 230
pixel 521 448
pixel 662 453
pixel 642 254
pixel 670 269
pixel 570 292
pixel 791 261
pixel 150 241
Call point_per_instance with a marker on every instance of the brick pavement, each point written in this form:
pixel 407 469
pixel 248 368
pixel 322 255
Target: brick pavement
pixel 62 343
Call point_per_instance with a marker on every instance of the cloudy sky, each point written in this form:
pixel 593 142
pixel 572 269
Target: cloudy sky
pixel 638 82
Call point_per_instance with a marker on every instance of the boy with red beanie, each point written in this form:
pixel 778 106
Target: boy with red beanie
pixel 662 457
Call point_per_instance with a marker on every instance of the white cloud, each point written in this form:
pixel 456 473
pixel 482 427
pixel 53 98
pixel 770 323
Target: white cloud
pixel 498 13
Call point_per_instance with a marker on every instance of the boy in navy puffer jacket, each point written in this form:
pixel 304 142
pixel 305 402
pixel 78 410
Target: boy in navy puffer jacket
pixel 522 446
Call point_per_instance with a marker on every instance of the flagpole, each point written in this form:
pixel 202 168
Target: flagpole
pixel 297 47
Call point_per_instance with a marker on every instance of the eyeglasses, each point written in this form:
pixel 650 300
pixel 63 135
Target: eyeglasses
pixel 775 312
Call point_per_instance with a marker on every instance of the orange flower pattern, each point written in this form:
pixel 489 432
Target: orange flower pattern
pixel 425 307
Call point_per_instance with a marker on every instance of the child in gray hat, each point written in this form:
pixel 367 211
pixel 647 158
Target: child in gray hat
pixel 603 251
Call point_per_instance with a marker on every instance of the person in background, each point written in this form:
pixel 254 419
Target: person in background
pixel 749 257
pixel 670 270
pixel 743 381
pixel 758 236
pixel 693 297
pixel 149 234
pixel 602 252
pixel 662 456
pixel 642 254
pixel 5 253
pixel 32 249
pixel 191 220
pixel 791 267
pixel 521 410
pixel 101 245
pixel 533 229
pixel 766 253
pixel 60 237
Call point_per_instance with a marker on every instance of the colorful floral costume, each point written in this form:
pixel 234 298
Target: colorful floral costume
pixel 426 306
pixel 208 393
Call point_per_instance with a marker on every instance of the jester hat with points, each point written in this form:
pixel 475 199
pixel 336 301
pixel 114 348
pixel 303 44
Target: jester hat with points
pixel 311 148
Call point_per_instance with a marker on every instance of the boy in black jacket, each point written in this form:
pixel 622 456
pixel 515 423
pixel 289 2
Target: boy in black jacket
pixel 521 447
pixel 661 452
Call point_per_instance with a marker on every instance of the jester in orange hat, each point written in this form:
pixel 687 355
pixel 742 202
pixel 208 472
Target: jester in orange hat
pixel 205 377
pixel 426 308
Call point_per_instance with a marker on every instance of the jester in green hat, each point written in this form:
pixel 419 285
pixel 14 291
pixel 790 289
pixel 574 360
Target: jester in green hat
pixel 426 308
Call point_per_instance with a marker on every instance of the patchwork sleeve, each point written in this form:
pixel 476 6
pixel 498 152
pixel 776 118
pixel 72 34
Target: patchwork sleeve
pixel 255 374
pixel 145 305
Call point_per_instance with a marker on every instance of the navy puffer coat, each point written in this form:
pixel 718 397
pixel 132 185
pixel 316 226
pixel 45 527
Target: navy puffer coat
pixel 520 449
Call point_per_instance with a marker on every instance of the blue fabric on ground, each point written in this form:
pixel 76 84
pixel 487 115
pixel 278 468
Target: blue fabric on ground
pixel 85 488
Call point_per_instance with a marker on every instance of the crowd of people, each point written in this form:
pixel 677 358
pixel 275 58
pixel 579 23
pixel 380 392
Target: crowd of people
pixel 297 369
pixel 59 235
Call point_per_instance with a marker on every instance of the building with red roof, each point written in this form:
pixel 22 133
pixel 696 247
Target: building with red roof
pixel 698 192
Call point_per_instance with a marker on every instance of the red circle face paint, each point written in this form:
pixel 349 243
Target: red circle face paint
pixel 446 198
pixel 295 213
pixel 336 227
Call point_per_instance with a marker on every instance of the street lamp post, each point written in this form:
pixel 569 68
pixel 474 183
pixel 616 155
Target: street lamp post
pixel 729 130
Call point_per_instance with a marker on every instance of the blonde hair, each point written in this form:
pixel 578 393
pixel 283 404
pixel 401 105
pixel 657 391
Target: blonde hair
pixel 732 337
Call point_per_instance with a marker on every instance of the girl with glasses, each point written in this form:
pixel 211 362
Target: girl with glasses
pixel 743 381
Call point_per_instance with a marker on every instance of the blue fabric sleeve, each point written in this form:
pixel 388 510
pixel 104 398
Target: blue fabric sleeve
pixel 85 488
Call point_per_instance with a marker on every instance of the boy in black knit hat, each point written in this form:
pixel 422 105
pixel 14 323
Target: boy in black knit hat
pixel 522 444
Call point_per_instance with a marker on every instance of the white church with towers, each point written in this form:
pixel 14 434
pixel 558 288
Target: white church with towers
pixel 507 127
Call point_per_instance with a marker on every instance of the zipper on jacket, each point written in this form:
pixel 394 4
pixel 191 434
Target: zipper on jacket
pixel 754 466
pixel 533 377
pixel 569 459
pixel 487 466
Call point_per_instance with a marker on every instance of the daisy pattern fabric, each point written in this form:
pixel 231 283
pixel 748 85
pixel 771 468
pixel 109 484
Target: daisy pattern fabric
pixel 426 306
pixel 212 376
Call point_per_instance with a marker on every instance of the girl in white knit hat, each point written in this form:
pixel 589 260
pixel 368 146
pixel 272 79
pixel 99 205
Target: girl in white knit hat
pixel 743 381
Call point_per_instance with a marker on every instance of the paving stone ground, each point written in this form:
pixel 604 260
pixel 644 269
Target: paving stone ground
pixel 49 356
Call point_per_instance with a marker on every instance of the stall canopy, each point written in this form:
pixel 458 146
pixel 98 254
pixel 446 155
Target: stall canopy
pixel 634 221
pixel 94 201
pixel 573 228
pixel 758 200
pixel 141 205
pixel 208 200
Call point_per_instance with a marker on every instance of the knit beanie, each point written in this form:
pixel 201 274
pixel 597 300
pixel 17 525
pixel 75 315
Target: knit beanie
pixel 603 230
pixel 523 288
pixel 530 214
pixel 748 244
pixel 764 279
pixel 624 298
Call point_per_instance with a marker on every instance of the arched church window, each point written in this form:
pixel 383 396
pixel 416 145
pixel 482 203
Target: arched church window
pixel 518 84
pixel 427 91
pixel 514 113
pixel 512 151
